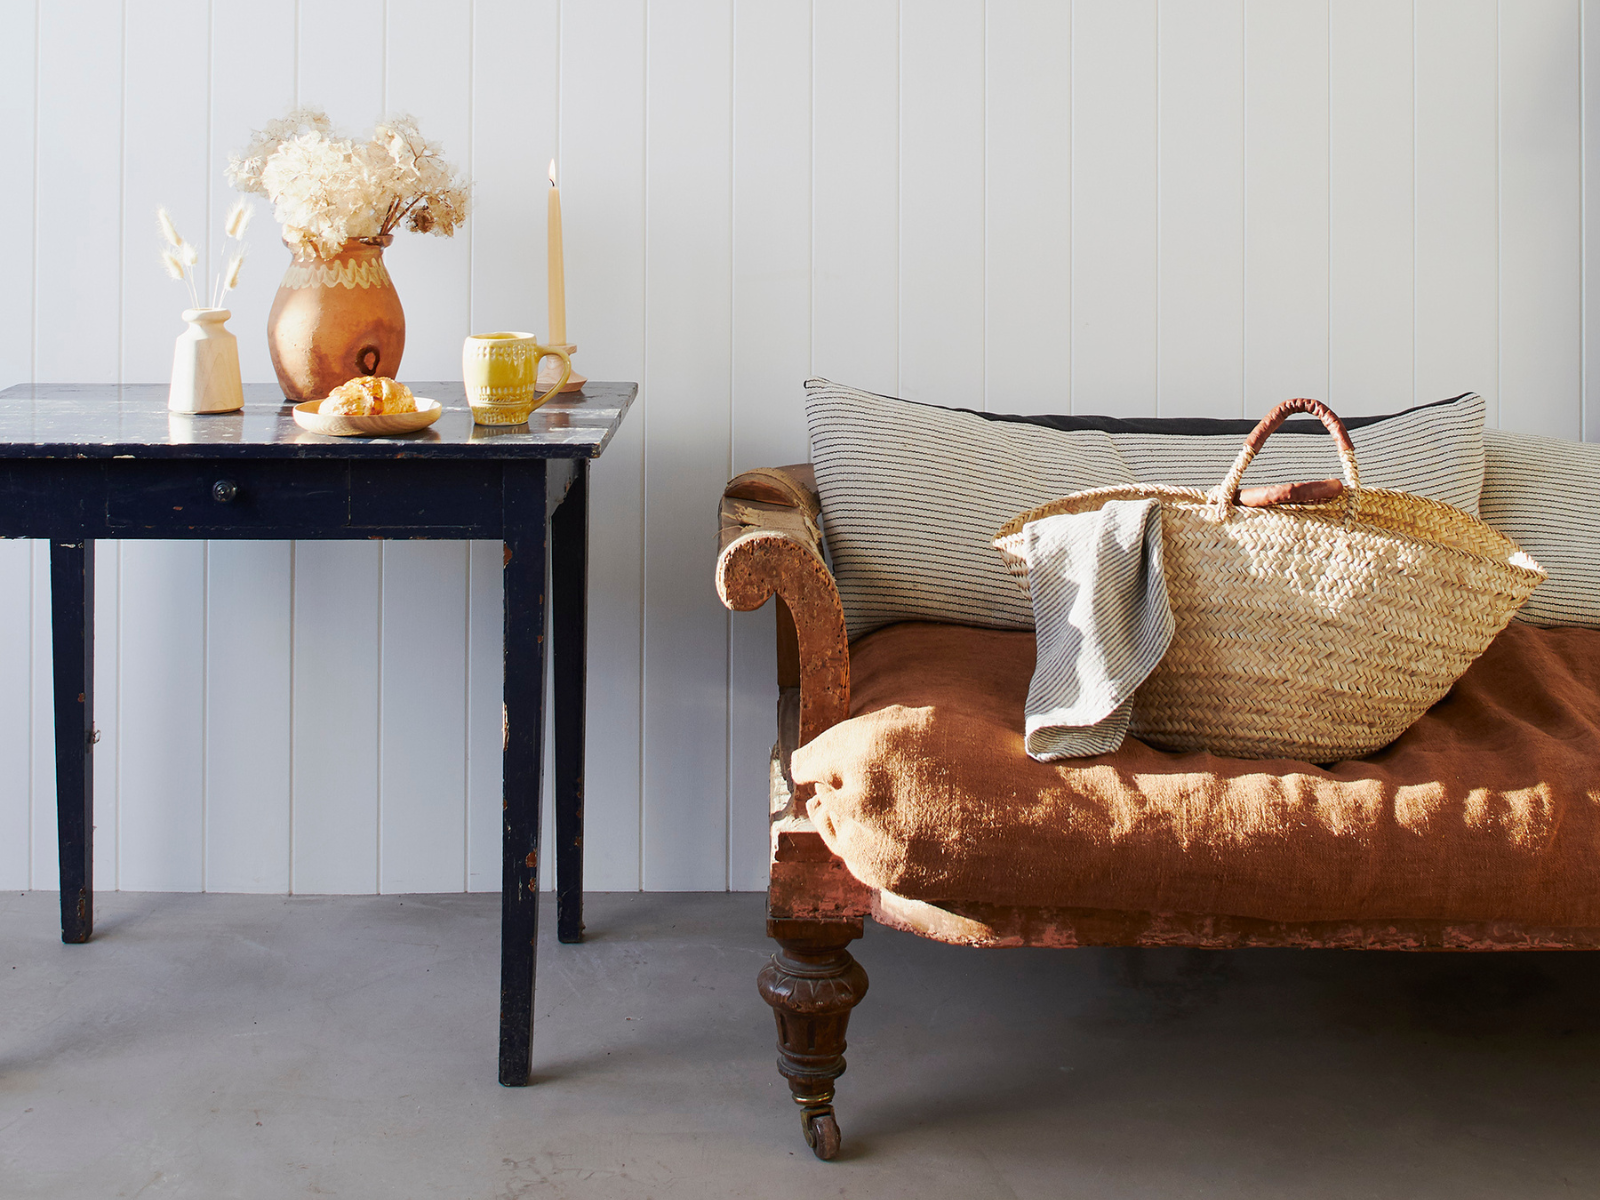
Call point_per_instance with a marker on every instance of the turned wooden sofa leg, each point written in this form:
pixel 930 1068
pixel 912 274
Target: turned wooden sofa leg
pixel 812 983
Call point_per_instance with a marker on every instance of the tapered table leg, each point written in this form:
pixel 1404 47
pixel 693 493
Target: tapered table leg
pixel 569 599
pixel 524 576
pixel 72 662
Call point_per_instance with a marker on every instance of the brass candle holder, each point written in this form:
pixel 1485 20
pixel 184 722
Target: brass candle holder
pixel 550 370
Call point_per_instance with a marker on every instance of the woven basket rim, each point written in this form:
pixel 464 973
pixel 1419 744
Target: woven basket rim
pixel 1193 498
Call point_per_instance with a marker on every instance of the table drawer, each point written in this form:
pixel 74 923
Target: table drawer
pixel 50 497
pixel 423 495
pixel 227 496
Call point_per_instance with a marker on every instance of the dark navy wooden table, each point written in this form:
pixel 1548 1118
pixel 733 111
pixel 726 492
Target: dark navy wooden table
pixel 85 461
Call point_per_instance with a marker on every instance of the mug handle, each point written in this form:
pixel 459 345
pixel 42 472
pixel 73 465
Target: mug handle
pixel 544 353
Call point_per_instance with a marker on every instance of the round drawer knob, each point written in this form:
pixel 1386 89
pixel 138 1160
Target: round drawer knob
pixel 223 491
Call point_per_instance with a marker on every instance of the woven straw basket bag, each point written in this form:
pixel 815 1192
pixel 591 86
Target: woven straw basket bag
pixel 1316 631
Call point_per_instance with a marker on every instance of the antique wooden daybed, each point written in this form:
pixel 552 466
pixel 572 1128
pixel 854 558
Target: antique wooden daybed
pixel 1484 853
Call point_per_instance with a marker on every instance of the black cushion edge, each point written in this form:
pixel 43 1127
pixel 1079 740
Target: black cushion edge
pixel 1165 426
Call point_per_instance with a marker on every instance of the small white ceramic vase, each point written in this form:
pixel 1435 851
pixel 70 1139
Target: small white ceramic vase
pixel 205 365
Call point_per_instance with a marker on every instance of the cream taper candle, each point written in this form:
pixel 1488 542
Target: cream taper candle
pixel 555 266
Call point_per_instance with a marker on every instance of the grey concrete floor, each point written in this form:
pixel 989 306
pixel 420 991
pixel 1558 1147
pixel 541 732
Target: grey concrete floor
pixel 232 1046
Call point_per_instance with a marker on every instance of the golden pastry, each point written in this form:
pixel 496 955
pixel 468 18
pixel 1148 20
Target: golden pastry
pixel 357 398
pixel 368 396
pixel 396 398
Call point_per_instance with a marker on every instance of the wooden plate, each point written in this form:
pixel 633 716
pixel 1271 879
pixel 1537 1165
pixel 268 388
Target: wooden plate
pixel 307 417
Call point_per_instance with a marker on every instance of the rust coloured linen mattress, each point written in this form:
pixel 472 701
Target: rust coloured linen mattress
pixel 1488 808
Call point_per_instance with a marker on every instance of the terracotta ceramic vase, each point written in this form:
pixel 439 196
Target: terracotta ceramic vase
pixel 334 319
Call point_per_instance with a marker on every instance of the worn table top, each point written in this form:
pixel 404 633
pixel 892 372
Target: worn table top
pixel 86 420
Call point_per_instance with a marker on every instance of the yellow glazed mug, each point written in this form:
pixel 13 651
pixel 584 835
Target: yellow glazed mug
pixel 500 370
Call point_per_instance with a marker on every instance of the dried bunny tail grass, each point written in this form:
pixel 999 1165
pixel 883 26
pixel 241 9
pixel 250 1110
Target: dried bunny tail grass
pixel 227 282
pixel 238 218
pixel 173 264
pixel 188 253
pixel 168 229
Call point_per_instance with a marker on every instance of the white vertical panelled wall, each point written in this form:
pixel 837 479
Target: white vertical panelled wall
pixel 1134 207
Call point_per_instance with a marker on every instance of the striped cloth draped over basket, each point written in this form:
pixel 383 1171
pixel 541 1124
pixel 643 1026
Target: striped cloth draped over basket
pixel 1314 631
pixel 1103 623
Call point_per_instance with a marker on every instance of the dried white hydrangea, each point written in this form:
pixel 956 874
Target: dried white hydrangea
pixel 327 189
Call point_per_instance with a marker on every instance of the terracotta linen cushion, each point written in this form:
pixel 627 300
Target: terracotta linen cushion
pixel 1488 808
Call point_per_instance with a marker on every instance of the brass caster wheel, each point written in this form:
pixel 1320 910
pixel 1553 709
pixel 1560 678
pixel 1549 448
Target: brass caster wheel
pixel 822 1130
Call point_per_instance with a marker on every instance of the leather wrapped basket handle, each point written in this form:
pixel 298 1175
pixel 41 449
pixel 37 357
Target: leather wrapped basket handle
pixel 1227 493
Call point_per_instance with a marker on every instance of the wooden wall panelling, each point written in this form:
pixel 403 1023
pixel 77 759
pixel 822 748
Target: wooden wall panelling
pixel 18 50
pixel 423 675
pixel 1457 201
pixel 248 698
pixel 336 656
pixel 17 310
pixel 430 74
pixel 771 358
pixel 165 104
pixel 1200 328
pixel 262 34
pixel 1371 212
pixel 484 728
pixel 250 585
pixel 1589 76
pixel 1286 202
pixel 16 729
pixel 78 226
pixel 77 290
pixel 1114 207
pixel 163 603
pixel 162 782
pixel 942 331
pixel 855 189
pixel 340 60
pixel 830 222
pixel 515 128
pixel 688 284
pixel 1027 206
pixel 44 865
pixel 602 190
pixel 1541 205
pixel 337 661
pixel 422 756
pixel 76 321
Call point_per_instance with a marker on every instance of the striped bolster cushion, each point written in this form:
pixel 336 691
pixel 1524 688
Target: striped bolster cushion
pixel 912 493
pixel 1540 492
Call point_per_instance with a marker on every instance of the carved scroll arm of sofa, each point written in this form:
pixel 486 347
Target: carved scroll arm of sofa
pixel 772 546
